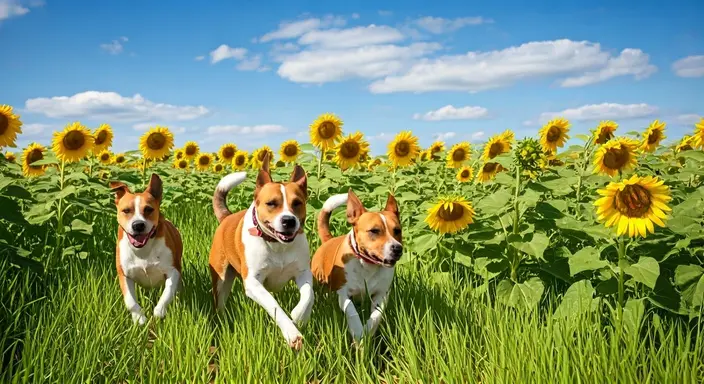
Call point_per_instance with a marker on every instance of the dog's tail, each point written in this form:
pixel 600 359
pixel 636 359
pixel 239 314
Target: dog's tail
pixel 324 216
pixel 220 196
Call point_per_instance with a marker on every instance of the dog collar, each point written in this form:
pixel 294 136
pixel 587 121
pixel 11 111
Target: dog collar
pixel 360 254
pixel 257 231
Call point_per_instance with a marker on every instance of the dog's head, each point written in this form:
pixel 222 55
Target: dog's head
pixel 281 207
pixel 138 213
pixel 378 234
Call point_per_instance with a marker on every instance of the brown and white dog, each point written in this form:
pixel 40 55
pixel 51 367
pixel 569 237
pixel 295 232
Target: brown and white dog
pixel 149 247
pixel 265 245
pixel 361 262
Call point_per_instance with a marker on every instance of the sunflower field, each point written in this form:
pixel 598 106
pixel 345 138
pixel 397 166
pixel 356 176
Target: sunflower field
pixel 525 260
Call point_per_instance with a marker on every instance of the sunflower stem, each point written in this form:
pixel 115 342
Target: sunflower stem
pixel 621 276
pixel 516 215
pixel 59 213
pixel 586 154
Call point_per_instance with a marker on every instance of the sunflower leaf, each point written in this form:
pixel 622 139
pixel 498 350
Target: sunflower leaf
pixel 586 259
pixel 493 203
pixel 645 271
pixel 578 299
pixel 526 294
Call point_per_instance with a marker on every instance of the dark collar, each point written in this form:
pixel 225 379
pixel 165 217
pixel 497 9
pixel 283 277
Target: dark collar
pixel 361 254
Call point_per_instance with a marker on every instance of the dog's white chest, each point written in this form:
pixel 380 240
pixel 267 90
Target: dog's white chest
pixel 367 279
pixel 276 264
pixel 147 266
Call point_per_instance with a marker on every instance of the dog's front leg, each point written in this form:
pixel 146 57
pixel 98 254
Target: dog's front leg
pixel 256 291
pixel 170 286
pixel 301 313
pixel 128 294
pixel 354 324
pixel 379 301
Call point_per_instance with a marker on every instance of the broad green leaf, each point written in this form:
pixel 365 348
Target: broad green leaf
pixel 578 299
pixel 45 162
pixel 633 313
pixel 504 178
pixel 686 274
pixel 582 137
pixel 645 271
pixel 424 243
pixel 505 160
pixel 697 156
pixel 526 294
pixel 78 225
pixel 666 297
pixel 586 259
pixel 698 298
pixel 529 198
pixel 535 246
pixel 494 202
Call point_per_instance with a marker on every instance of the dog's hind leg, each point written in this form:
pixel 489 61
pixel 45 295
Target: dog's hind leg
pixel 222 286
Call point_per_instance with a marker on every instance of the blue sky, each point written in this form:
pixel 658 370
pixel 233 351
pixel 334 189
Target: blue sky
pixel 260 73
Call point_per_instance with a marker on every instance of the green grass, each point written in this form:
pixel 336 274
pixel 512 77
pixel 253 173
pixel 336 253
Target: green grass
pixel 70 326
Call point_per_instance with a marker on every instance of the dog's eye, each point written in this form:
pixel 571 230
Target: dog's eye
pixel 397 231
pixel 271 203
pixel 148 210
pixel 296 203
pixel 126 211
pixel 375 231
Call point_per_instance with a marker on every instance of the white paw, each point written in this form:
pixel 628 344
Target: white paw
pixel 300 314
pixel 294 339
pixel 138 318
pixel 160 311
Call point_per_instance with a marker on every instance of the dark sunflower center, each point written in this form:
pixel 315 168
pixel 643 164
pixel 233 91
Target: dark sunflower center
pixel 218 167
pixel 156 141
pixel 459 154
pixel 35 155
pixel 228 152
pixel 605 135
pixel 326 130
pixel 119 159
pixel 553 133
pixel 182 164
pixel 239 160
pixel 464 174
pixel 654 137
pixel 435 149
pixel 204 160
pixel 290 150
pixel 102 136
pixel 349 149
pixel 191 150
pixel 489 167
pixel 616 158
pixel 402 148
pixel 4 123
pixel 74 140
pixel 495 150
pixel 104 157
pixel 454 214
pixel 179 155
pixel 686 147
pixel 633 201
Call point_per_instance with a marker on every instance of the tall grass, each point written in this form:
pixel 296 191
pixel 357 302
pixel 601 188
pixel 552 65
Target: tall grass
pixel 70 326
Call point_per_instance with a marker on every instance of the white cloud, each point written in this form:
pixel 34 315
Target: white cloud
pixel 253 63
pixel 320 66
pixel 438 25
pixel 382 137
pixel 145 126
pixel 352 37
pixel 111 106
pixel 12 8
pixel 479 71
pixel 199 58
pixel 603 111
pixel 442 136
pixel 292 30
pixel 355 16
pixel 687 119
pixel 690 66
pixel 629 62
pixel 35 129
pixel 115 47
pixel 224 52
pixel 246 130
pixel 477 136
pixel 450 112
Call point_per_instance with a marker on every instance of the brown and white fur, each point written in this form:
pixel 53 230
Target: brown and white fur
pixel 361 262
pixel 269 254
pixel 149 247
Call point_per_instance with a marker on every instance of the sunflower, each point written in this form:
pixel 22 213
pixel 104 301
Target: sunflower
pixel 364 156
pixel 508 136
pixel 616 155
pixel 496 145
pixel 554 134
pixel 120 159
pixel 190 150
pixel 634 205
pixel 425 155
pixel 10 157
pixel 465 174
pixel 686 144
pixel 458 155
pixel 218 168
pixel 374 163
pixel 450 215
pixel 73 143
pixel 653 136
pixel 204 161
pixel 403 149
pixel 325 131
pixel 259 154
pixel 33 152
pixel 348 152
pixel 489 170
pixel 105 157
pixel 240 160
pixel 156 143
pixel 178 154
pixel 698 137
pixel 10 126
pixel 604 132
pixel 181 164
pixel 103 138
pixel 436 148
pixel 227 153
pixel 290 150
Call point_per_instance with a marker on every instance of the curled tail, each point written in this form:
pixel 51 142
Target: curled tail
pixel 220 196
pixel 324 215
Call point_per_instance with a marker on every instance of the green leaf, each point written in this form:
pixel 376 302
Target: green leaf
pixel 697 156
pixel 526 294
pixel 46 162
pixel 424 243
pixel 687 274
pixel 78 225
pixel 529 198
pixel 504 178
pixel 698 298
pixel 578 299
pixel 582 137
pixel 494 202
pixel 586 259
pixel 505 160
pixel 535 246
pixel 633 313
pixel 67 191
pixel 645 271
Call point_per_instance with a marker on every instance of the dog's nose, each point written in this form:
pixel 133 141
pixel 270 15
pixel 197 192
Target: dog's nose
pixel 139 226
pixel 288 222
pixel 396 249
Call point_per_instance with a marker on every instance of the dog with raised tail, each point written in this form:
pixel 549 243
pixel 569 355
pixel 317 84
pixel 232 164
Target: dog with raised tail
pixel 360 263
pixel 265 246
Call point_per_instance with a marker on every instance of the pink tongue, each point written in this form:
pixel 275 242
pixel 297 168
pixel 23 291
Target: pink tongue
pixel 139 240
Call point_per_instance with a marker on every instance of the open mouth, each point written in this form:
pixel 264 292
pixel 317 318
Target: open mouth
pixel 140 240
pixel 285 237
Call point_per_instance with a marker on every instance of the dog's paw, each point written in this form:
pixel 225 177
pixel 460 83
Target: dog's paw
pixel 159 312
pixel 296 343
pixel 138 318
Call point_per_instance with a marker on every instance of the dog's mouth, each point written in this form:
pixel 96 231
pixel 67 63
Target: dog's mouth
pixel 284 237
pixel 389 263
pixel 140 240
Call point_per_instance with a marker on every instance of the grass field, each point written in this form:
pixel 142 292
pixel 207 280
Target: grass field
pixel 532 288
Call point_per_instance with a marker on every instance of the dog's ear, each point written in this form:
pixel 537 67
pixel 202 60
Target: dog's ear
pixel 155 187
pixel 119 188
pixel 391 205
pixel 299 177
pixel 355 209
pixel 264 177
